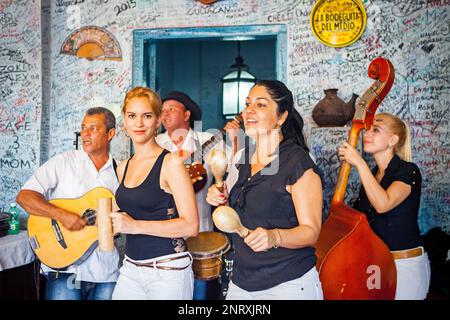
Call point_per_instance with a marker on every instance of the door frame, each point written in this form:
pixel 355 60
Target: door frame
pixel 224 33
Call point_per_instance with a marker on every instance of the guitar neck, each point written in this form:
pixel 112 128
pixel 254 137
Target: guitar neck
pixel 211 142
pixel 208 145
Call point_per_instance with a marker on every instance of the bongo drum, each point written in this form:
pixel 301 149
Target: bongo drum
pixel 207 249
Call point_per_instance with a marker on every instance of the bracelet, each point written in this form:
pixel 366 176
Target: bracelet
pixel 278 239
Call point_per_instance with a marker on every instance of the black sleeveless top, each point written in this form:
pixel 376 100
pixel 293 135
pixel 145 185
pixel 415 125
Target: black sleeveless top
pixel 149 202
pixel 261 200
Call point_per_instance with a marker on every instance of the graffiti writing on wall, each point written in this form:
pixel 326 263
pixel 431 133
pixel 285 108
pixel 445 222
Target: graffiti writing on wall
pixel 414 35
pixel 20 95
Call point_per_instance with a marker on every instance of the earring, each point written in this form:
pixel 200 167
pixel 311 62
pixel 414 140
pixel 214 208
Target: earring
pixel 389 146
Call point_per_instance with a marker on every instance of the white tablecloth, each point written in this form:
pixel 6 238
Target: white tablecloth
pixel 15 251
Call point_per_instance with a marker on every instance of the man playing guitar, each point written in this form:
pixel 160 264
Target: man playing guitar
pixel 70 175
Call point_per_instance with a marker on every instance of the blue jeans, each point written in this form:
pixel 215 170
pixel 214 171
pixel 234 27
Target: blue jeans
pixel 200 289
pixel 63 286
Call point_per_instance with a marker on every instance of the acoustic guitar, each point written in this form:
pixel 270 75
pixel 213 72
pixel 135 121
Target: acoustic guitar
pixel 196 170
pixel 57 247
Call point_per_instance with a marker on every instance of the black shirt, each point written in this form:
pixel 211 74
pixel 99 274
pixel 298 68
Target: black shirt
pixel 149 202
pixel 398 228
pixel 261 200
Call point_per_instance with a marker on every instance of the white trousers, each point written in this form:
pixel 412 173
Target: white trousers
pixel 144 283
pixel 413 278
pixel 307 287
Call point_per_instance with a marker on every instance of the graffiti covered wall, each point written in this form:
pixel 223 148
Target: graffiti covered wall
pixel 20 94
pixel 414 35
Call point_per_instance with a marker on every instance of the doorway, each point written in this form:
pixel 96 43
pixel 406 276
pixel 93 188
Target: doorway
pixel 193 60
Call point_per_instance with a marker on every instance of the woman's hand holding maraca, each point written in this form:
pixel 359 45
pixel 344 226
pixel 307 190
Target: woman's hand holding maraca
pixel 217 198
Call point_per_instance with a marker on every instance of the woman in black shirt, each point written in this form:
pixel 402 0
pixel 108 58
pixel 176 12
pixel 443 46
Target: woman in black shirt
pixel 278 196
pixel 390 197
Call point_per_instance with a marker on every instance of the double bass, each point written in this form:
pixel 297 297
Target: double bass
pixel 353 263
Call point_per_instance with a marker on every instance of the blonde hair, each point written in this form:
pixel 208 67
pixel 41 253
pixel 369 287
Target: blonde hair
pixel 153 98
pixel 401 129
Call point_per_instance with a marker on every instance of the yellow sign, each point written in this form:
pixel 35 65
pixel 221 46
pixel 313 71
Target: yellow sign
pixel 338 23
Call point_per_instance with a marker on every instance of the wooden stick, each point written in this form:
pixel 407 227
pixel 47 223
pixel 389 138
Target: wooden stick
pixel 105 230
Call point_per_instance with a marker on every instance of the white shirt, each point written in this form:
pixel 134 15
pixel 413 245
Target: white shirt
pixel 71 175
pixel 204 209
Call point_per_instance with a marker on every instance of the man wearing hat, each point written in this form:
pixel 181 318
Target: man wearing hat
pixel 179 112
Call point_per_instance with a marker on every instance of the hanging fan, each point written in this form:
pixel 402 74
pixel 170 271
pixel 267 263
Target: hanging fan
pixel 92 43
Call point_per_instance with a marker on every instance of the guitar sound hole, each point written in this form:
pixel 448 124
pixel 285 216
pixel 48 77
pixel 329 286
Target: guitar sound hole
pixel 90 215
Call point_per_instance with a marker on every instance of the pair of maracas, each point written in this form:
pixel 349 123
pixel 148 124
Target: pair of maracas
pixel 225 218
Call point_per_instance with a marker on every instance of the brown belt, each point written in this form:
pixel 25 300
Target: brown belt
pixel 408 253
pixel 152 265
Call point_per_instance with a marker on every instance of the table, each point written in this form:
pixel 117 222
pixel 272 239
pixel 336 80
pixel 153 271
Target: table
pixel 17 274
pixel 15 251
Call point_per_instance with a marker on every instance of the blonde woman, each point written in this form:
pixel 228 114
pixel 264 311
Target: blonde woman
pixel 158 209
pixel 390 197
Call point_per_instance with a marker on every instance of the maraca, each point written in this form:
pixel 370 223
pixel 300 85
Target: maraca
pixel 218 162
pixel 227 220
